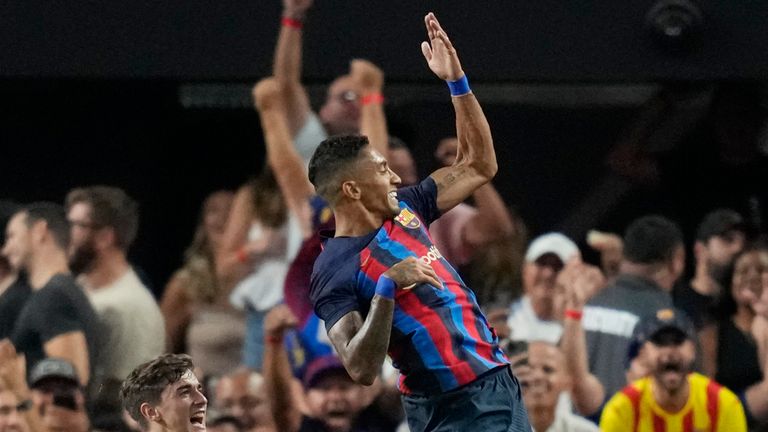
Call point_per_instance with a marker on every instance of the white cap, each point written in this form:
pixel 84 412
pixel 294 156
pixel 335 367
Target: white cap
pixel 554 243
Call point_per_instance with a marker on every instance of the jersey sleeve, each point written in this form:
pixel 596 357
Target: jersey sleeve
pixel 422 198
pixel 732 417
pixel 333 295
pixel 617 414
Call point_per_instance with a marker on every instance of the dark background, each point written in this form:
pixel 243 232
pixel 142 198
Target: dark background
pixel 153 97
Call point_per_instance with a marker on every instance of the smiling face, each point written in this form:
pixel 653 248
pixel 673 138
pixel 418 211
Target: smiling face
pixel 335 400
pixel 11 417
pixel 747 277
pixel 542 376
pixel 182 406
pixel 376 183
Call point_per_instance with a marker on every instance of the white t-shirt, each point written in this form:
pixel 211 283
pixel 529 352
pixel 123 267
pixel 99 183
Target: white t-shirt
pixel 134 327
pixel 526 326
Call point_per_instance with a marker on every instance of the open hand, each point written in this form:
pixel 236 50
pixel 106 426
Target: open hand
pixel 13 370
pixel 410 272
pixel 439 52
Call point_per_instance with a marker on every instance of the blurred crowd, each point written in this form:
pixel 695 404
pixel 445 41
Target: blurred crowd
pixel 234 344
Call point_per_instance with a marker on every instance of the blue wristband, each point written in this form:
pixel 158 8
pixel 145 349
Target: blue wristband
pixel 385 287
pixel 460 87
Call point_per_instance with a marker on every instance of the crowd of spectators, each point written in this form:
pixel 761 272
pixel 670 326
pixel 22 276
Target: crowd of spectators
pixel 627 344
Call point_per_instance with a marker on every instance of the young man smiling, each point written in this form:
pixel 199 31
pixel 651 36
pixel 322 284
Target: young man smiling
pixel 164 395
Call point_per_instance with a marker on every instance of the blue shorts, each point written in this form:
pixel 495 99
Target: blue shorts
pixel 492 403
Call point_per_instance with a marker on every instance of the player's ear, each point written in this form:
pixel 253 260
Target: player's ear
pixel 351 190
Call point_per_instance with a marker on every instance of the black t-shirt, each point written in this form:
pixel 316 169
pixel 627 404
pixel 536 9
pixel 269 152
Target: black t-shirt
pixel 700 308
pixel 58 307
pixel 738 366
pixel 11 303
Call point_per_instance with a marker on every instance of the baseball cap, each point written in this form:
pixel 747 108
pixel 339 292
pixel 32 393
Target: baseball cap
pixel 651 326
pixel 321 367
pixel 554 243
pixel 719 222
pixel 53 368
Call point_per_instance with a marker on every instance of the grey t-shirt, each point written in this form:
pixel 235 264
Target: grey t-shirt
pixel 610 318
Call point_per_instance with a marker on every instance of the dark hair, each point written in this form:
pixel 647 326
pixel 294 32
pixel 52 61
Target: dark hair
pixel 110 207
pixel 268 201
pixel 147 382
pixel 331 159
pixel 719 222
pixel 395 143
pixel 651 239
pixel 53 215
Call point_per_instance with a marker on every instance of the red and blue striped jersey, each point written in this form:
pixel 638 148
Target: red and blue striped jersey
pixel 440 339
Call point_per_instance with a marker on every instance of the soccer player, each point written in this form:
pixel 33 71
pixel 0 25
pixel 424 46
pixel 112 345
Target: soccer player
pixel 382 286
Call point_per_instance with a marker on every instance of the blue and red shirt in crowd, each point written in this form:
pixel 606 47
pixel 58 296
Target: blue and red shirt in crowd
pixel 440 339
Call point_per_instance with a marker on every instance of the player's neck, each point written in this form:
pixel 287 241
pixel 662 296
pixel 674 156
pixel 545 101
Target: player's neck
pixel 355 221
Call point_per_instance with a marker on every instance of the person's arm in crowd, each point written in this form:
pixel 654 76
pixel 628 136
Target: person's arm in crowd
pixel 287 165
pixel 362 344
pixel 177 313
pixel 72 347
pixel 475 163
pixel 13 377
pixel 237 255
pixel 288 62
pixel 492 220
pixel 278 379
pixel 579 281
pixel 369 80
pixel 611 249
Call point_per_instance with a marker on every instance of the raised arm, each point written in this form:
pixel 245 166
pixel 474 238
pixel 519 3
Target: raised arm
pixel 580 281
pixel 362 344
pixel 475 162
pixel 286 163
pixel 277 370
pixel 287 66
pixel 370 83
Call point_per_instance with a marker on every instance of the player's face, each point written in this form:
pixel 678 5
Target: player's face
pixel 378 184
pixel 670 357
pixel 182 405
pixel 18 245
pixel 335 400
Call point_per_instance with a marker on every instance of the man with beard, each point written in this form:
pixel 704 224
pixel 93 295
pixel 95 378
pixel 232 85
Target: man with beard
pixel 57 320
pixel 719 238
pixel 671 398
pixel 103 224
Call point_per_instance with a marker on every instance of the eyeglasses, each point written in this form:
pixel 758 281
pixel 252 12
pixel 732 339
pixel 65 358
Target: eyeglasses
pixel 83 224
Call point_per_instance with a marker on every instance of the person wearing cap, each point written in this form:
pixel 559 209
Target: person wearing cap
pixel 58 396
pixel 672 397
pixel 653 260
pixel 14 289
pixel 333 401
pixel 719 238
pixel 537 315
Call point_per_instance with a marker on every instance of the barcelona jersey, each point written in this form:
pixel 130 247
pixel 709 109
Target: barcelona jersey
pixel 440 339
pixel 710 407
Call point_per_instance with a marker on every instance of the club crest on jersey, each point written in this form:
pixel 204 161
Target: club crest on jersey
pixel 408 219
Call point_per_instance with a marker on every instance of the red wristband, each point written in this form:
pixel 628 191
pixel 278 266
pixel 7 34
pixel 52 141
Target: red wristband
pixel 373 98
pixel 292 23
pixel 242 255
pixel 574 314
pixel 274 340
